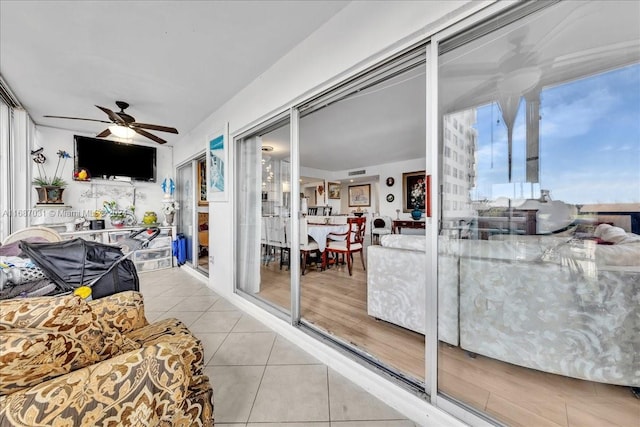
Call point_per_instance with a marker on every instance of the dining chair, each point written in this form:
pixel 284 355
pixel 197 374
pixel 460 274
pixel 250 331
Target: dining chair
pixel 308 245
pixel 264 241
pixel 347 243
pixel 380 227
pixel 275 236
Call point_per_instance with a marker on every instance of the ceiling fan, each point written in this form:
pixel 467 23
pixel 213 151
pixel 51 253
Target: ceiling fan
pixel 124 125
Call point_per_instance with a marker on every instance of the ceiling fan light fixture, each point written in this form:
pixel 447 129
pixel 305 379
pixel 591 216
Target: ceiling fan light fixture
pixel 519 81
pixel 122 131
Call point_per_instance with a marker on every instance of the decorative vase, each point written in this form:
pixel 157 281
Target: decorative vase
pixel 169 218
pixel 150 218
pixel 117 223
pixel 49 194
pixel 416 214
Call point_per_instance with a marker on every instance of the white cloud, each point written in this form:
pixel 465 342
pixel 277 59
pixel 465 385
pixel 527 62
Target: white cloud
pixel 575 117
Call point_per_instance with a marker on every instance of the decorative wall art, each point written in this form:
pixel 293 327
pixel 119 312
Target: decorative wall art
pixel 203 193
pixel 360 195
pixel 334 190
pixel 390 181
pixel 217 165
pixel 416 187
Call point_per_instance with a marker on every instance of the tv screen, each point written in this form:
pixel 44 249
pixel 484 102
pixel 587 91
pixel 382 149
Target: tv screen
pixel 108 159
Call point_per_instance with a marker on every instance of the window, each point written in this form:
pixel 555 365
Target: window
pixel 565 135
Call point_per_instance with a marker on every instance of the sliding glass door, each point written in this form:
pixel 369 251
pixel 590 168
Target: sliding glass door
pixel 367 300
pixel 264 214
pixel 540 170
pixel 368 296
pixel 186 193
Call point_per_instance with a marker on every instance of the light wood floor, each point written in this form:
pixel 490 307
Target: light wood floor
pixel 517 396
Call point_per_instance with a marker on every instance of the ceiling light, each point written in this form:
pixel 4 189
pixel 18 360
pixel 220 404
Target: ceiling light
pixel 520 81
pixel 122 131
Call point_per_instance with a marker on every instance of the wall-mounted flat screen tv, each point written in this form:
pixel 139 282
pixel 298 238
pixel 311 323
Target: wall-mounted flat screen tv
pixel 111 159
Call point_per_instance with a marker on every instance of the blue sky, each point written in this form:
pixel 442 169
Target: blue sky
pixel 589 143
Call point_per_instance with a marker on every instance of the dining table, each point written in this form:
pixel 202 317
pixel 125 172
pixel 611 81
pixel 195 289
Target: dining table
pixel 320 232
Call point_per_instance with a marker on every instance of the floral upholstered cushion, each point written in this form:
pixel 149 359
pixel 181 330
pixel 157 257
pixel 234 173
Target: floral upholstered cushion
pixel 31 356
pixel 173 331
pixel 161 383
pixel 68 314
pixel 146 387
pixel 122 312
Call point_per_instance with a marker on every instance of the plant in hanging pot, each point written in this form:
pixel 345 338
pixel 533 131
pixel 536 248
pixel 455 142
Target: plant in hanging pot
pixel 49 189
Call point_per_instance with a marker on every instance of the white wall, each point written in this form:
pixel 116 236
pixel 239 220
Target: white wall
pixel 379 189
pixel 148 195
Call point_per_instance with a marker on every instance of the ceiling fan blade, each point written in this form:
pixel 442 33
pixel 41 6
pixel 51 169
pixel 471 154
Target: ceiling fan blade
pixel 76 118
pixel 149 135
pixel 154 127
pixel 113 116
pixel 104 133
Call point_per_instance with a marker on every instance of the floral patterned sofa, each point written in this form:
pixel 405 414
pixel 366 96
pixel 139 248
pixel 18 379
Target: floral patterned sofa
pixel 396 283
pixel 558 304
pixel 68 362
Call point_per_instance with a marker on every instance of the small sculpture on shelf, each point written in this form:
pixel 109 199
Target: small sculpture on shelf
pixel 169 205
pixel 168 187
pixel 82 174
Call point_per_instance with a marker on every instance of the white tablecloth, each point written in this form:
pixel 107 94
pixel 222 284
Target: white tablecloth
pixel 320 232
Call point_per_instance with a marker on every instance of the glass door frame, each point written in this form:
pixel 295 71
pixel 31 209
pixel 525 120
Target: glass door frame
pixel 249 131
pixel 449 405
pixel 193 199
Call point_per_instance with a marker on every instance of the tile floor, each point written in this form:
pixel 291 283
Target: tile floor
pixel 259 378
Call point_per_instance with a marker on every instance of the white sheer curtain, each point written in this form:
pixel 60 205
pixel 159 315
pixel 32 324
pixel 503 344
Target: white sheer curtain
pixel 5 181
pixel 249 178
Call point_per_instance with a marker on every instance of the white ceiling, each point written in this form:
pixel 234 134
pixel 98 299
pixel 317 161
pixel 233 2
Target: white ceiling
pixel 175 63
pixel 382 124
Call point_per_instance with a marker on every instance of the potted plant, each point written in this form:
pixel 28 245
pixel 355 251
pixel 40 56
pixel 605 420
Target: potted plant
pixel 49 189
pixel 117 219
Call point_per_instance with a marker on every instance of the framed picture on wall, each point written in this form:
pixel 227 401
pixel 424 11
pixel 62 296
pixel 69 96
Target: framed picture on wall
pixel 415 191
pixel 217 165
pixel 334 190
pixel 360 195
pixel 202 182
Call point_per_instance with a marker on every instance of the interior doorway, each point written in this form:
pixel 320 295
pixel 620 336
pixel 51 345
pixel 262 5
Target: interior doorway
pixel 193 213
pixel 202 262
